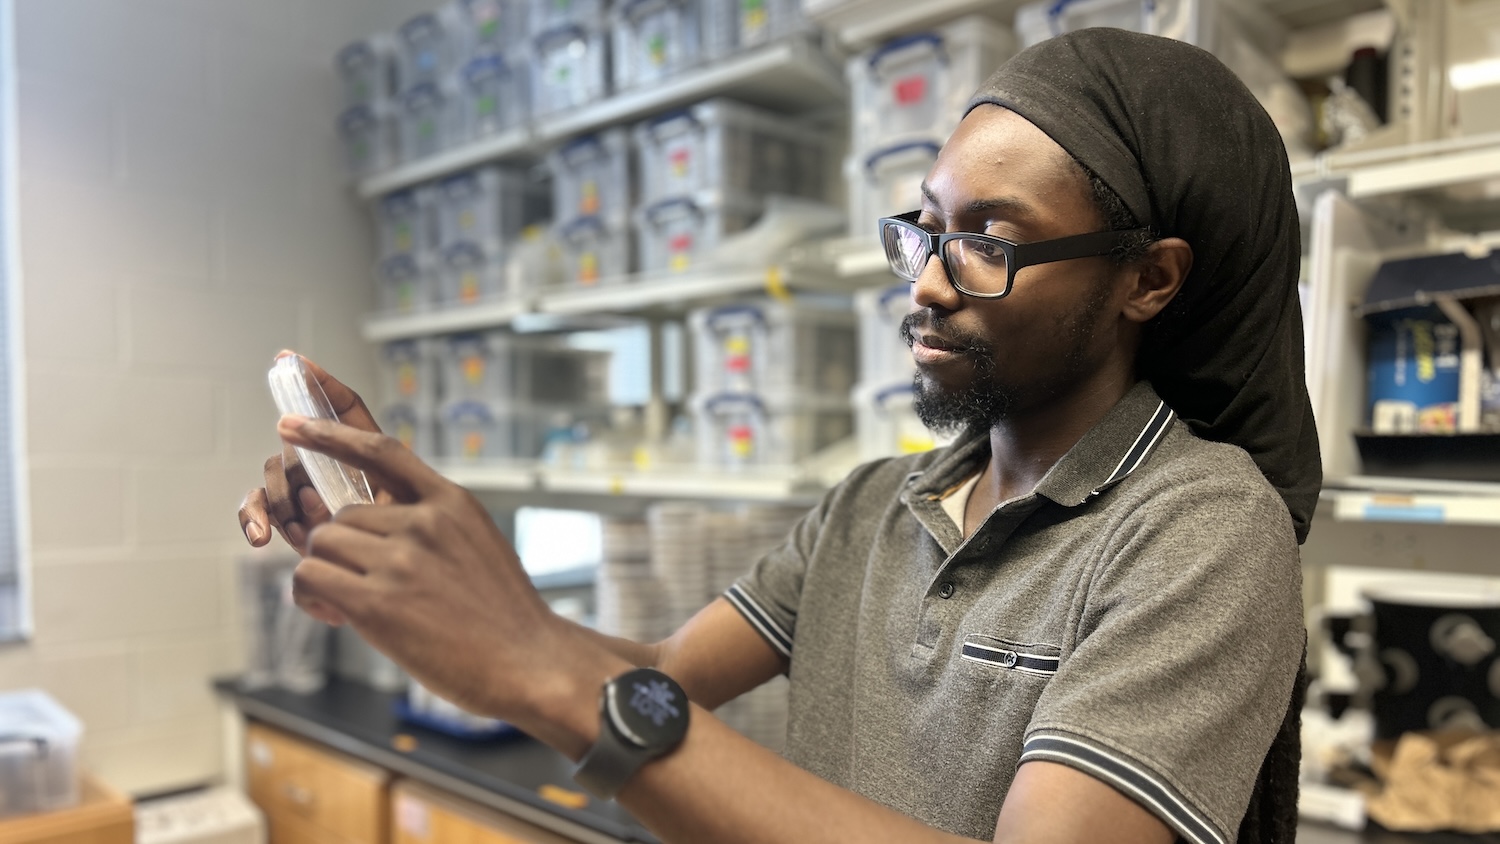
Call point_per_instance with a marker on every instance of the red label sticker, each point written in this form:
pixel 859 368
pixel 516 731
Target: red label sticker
pixel 910 90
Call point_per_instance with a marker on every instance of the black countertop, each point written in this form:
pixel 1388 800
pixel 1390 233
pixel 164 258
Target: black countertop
pixel 503 774
pixel 506 773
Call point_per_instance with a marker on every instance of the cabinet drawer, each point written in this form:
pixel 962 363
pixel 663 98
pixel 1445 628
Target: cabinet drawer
pixel 299 784
pixel 421 815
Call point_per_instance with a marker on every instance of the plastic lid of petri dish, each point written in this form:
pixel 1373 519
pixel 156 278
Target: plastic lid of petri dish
pixel 297 392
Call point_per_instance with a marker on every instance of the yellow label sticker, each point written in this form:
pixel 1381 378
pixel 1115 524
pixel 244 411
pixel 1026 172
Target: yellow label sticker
pixel 589 203
pixel 466 220
pixel 406 379
pixel 776 285
pixel 473 444
pixel 588 268
pixel 736 344
pixel 680 262
pixel 473 369
pixel 468 287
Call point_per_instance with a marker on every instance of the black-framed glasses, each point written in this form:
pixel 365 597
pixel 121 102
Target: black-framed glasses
pixel 981 265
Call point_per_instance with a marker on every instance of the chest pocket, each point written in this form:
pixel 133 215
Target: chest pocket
pixel 991 656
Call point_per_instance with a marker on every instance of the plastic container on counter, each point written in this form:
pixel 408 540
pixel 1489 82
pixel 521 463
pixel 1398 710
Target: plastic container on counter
pixel 886 423
pixel 415 426
pixel 430 119
pixel 488 204
pixel 654 39
pixel 594 252
pixel 430 46
pixel 915 87
pixel 470 273
pixel 367 70
pixel 801 346
pixel 549 14
pixel 733 25
pixel 740 430
pixel 677 235
pixel 409 372
pixel 886 182
pixel 493 94
pixel 368 136
pixel 406 283
pixel 591 177
pixel 570 66
pixel 38 753
pixel 500 366
pixel 722 145
pixel 883 356
pixel 407 222
pixel 491 430
pixel 492 26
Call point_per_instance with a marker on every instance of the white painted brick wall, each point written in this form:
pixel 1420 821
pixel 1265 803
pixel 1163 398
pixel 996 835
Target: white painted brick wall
pixel 182 217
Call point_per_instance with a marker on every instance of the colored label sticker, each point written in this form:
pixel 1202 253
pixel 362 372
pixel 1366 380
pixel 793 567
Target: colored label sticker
pixel 468 287
pixel 588 268
pixel 1398 513
pixel 909 90
pixel 466 220
pixel 680 263
pixel 473 367
pixel 406 433
pixel 741 440
pixel 589 201
pixel 656 50
pixel 473 444
pixel 406 379
pixel 680 159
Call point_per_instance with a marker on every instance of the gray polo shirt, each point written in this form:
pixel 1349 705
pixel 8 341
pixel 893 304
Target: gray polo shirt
pixel 1137 617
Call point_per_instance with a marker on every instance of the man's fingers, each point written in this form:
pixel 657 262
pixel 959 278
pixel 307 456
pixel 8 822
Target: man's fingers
pixel 394 467
pixel 319 586
pixel 255 519
pixel 346 546
pixel 312 506
pixel 346 403
pixel 278 487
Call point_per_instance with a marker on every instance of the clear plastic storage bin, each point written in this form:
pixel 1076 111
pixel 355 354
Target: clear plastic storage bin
pixel 771 346
pixel 886 423
pixel 430 119
pixel 492 94
pixel 409 373
pixel 594 252
pixel 883 357
pixel 471 273
pixel 550 14
pixel 722 145
pixel 570 67
pixel 677 235
pixel 488 204
pixel 915 87
pixel 38 754
pixel 591 177
pixel 367 70
pixel 478 431
pixel 430 46
pixel 492 26
pixel 408 222
pixel 367 134
pixel 733 25
pixel 1180 19
pixel 885 183
pixel 654 39
pixel 498 366
pixel 737 430
pixel 416 426
pixel 405 284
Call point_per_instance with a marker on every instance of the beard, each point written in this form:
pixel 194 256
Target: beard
pixel 990 397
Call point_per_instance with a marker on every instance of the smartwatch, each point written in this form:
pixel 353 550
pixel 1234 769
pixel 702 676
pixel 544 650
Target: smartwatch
pixel 643 715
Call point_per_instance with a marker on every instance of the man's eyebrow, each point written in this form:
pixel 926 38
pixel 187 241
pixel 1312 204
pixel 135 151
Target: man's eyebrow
pixel 1015 209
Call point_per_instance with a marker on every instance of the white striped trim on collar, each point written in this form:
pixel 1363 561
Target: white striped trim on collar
pixel 766 626
pixel 1144 444
pixel 1127 775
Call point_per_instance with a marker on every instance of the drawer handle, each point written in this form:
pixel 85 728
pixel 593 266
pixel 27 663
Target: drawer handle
pixel 299 796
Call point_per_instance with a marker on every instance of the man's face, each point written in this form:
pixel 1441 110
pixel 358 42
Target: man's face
pixel 981 361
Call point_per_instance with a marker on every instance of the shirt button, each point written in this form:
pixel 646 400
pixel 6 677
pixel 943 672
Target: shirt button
pixel 945 591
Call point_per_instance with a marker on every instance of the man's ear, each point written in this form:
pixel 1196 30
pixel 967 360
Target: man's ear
pixel 1156 278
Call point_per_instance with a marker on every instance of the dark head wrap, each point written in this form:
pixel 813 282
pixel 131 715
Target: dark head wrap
pixel 1193 155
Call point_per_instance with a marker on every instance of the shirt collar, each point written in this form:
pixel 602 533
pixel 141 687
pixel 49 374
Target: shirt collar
pixel 1114 448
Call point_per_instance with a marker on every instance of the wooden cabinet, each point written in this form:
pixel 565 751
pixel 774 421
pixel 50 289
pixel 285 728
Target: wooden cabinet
pixel 313 795
pixel 102 816
pixel 422 815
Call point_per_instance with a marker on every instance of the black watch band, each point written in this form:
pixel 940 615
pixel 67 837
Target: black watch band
pixel 643 715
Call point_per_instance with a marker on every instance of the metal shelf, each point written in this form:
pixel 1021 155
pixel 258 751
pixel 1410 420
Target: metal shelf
pixel 1424 502
pixel 380 328
pixel 861 24
pixel 1405 169
pixel 792 74
pixel 761 484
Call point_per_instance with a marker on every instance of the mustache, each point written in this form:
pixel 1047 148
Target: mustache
pixel 927 322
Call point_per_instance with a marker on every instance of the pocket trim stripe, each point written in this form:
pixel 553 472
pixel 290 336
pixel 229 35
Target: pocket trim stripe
pixel 1040 664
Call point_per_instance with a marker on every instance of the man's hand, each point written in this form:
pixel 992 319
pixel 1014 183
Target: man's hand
pixel 430 581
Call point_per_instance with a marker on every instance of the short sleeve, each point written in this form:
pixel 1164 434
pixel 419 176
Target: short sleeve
pixel 1186 654
pixel 769 594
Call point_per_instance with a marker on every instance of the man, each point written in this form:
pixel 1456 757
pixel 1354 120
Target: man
pixel 1081 622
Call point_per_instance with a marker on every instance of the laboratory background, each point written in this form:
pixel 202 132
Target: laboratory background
pixel 612 266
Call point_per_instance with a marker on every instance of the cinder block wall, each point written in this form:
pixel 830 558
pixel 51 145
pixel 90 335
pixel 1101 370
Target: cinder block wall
pixel 182 217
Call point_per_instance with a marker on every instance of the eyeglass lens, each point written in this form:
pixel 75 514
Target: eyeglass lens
pixel 978 266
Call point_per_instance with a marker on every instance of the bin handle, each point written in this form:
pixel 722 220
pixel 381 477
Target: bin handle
pixel 475 67
pixel 629 5
pixel 469 408
pixel 889 392
pixel 557 31
pixel 733 398
pixel 719 314
pixel 906 41
pixel 422 21
pixel 1055 11
pixel 38 742
pixel 897 149
pixel 356 117
pixel 589 222
pixel 581 142
pixel 890 293
pixel 653 209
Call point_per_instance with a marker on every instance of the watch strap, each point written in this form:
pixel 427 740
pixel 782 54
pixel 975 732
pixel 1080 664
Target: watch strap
pixel 609 763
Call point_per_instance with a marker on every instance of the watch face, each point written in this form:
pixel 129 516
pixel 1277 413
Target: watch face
pixel 648 708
